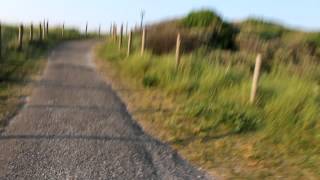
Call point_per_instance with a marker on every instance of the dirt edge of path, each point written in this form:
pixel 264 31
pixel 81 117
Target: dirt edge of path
pixel 25 89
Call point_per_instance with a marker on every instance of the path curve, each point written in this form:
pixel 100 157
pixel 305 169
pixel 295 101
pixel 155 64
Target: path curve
pixel 75 127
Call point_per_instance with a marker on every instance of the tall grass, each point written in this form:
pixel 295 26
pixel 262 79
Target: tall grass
pixel 213 91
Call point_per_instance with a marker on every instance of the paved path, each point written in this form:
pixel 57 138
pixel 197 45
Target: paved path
pixel 75 127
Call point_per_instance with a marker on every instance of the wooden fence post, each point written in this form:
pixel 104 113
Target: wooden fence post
pixel 62 31
pixel 127 29
pixel 44 30
pixel 178 55
pixel 40 32
pixel 129 44
pixel 47 29
pixel 143 41
pixel 20 37
pixel 31 33
pixel 86 32
pixel 256 77
pixel 114 32
pixel 110 33
pixel 0 40
pixel 120 36
pixel 99 31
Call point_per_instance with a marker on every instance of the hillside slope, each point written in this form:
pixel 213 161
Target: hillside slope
pixel 202 108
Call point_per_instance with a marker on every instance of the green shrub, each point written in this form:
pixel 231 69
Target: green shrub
pixel 202 19
pixel 207 28
pixel 198 29
pixel 264 29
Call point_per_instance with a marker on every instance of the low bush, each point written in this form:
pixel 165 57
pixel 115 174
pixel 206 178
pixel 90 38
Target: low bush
pixel 201 19
pixel 199 28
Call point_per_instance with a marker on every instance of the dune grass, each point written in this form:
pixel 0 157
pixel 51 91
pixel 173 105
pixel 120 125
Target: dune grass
pixel 212 122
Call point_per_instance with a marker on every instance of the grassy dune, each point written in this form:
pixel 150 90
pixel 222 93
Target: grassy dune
pixel 202 108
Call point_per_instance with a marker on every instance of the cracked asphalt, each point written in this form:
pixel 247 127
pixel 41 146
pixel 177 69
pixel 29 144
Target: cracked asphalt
pixel 74 126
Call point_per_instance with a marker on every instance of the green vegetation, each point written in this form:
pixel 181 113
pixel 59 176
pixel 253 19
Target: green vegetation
pixel 201 19
pixel 198 29
pixel 211 121
pixel 17 68
pixel 263 29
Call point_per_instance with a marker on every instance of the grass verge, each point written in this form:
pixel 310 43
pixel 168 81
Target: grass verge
pixel 18 69
pixel 202 111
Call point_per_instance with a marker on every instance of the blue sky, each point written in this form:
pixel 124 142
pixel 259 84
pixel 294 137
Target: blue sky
pixel 303 14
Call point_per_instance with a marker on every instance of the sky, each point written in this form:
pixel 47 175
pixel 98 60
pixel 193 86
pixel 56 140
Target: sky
pixel 302 14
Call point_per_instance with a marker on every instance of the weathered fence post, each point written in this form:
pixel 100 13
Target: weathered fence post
pixel 99 31
pixel 142 17
pixel 143 41
pixel 44 30
pixel 111 27
pixel 0 40
pixel 86 32
pixel 114 32
pixel 127 29
pixel 47 29
pixel 20 37
pixel 129 44
pixel 31 33
pixel 256 77
pixel 62 31
pixel 178 45
pixel 120 36
pixel 40 32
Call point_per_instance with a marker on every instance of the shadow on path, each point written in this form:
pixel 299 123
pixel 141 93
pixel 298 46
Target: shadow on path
pixel 79 137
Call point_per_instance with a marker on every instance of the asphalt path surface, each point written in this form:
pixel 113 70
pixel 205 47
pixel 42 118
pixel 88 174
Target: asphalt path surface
pixel 74 126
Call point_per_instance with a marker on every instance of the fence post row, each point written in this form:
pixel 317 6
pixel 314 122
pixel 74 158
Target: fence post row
pixel 20 37
pixel 256 77
pixel 31 33
pixel 121 36
pixel 129 44
pixel 178 51
pixel 143 41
